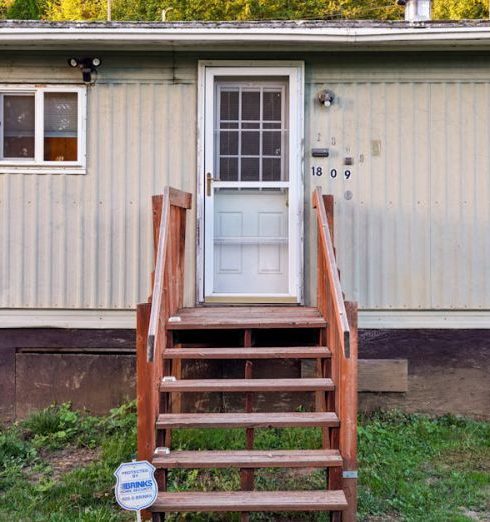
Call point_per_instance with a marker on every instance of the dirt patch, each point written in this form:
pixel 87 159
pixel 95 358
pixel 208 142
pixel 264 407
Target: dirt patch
pixel 62 462
pixel 475 515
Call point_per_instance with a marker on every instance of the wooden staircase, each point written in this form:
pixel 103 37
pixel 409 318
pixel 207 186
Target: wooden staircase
pixel 170 338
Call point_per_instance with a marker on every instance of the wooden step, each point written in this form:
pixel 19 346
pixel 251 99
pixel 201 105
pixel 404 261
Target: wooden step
pixel 323 458
pixel 240 501
pixel 246 385
pixel 229 317
pixel 246 420
pixel 295 352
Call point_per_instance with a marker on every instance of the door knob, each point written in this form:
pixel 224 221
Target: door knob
pixel 209 183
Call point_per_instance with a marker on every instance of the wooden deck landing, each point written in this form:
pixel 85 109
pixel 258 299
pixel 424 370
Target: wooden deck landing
pixel 227 317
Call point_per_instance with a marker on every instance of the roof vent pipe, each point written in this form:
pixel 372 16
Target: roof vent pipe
pixel 417 10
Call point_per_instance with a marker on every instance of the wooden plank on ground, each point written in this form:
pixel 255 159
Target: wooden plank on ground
pixel 383 375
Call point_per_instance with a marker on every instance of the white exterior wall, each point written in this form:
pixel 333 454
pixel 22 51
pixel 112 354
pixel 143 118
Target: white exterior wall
pixel 84 241
pixel 416 233
pixel 414 237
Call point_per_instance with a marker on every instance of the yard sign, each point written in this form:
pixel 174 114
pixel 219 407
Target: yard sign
pixel 136 487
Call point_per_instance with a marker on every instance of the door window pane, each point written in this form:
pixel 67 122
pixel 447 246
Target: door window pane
pixel 271 144
pixel 250 143
pixel 272 105
pixel 250 169
pixel 228 169
pixel 229 105
pixel 19 125
pixel 271 169
pixel 258 133
pixel 60 126
pixel 250 105
pixel 228 145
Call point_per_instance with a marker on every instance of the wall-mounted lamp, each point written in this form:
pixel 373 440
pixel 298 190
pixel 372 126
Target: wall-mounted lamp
pixel 326 97
pixel 88 66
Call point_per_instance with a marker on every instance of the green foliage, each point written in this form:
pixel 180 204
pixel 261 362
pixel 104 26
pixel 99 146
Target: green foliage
pixel 421 468
pixel 151 10
pixel 412 467
pixel 24 10
pixel 60 10
pixel 460 9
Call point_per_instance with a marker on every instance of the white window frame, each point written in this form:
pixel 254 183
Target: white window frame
pixel 38 165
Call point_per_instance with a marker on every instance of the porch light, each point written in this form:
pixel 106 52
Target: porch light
pixel 326 97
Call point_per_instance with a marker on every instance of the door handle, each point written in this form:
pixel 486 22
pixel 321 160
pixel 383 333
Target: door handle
pixel 209 183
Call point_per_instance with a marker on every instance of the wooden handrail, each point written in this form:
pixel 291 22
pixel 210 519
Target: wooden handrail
pixel 326 256
pixel 341 339
pixel 159 313
pixel 169 224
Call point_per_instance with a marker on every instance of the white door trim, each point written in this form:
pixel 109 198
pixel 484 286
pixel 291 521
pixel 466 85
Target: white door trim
pixel 294 71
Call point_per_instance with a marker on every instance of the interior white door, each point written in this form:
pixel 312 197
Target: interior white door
pixel 250 218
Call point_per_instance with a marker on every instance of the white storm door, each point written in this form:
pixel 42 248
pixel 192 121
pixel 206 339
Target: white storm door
pixel 250 195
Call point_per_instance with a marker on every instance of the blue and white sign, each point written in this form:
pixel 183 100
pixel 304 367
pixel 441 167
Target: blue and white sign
pixel 136 487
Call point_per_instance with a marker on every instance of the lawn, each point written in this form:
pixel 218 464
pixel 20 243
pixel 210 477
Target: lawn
pixel 57 466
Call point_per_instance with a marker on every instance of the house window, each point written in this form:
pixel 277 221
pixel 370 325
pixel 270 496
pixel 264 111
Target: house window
pixel 42 129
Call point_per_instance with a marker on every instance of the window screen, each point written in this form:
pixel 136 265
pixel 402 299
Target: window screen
pixel 251 130
pixel 60 126
pixel 18 126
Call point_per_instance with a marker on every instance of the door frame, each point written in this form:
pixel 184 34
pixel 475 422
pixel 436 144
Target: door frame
pixel 294 72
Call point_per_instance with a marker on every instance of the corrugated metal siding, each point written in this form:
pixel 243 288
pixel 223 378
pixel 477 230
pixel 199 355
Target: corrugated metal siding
pixel 415 235
pixel 73 241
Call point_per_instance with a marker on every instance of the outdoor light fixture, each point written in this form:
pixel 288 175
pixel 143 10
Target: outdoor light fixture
pixel 326 97
pixel 87 65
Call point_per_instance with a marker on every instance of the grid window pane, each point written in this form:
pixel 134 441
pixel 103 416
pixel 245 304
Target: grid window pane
pixel 228 125
pixel 271 143
pixel 251 105
pixel 250 143
pixel 228 169
pixel 251 128
pixel 19 124
pixel 271 169
pixel 272 105
pixel 60 126
pixel 228 143
pixel 250 169
pixel 229 105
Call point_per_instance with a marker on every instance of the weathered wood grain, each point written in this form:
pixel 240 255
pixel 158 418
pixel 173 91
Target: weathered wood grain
pixel 383 375
pixel 238 501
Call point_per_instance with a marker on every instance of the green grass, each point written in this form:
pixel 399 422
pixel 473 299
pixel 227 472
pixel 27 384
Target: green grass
pixel 412 467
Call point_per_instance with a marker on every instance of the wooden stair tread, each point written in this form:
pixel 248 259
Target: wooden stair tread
pixel 247 385
pixel 249 459
pixel 246 420
pixel 226 317
pixel 303 352
pixel 239 501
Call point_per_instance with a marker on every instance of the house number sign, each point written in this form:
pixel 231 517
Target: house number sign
pixel 334 173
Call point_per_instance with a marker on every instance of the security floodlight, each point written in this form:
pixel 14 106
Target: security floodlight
pixel 88 66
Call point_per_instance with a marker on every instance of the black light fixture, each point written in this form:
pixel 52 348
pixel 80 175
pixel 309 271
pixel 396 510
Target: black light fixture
pixel 87 65
pixel 326 97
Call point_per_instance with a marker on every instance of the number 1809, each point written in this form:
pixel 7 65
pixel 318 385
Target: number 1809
pixel 318 171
